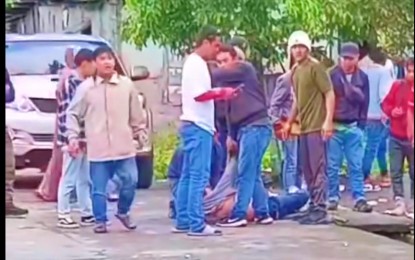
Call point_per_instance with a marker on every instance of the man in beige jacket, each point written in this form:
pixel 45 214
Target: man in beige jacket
pixel 109 106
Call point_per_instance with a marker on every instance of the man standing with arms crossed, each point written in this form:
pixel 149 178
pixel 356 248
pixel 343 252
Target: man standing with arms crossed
pixel 314 106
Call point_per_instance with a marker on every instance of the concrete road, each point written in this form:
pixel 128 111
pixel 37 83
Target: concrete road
pixel 37 238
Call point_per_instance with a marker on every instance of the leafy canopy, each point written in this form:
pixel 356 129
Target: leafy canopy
pixel 267 24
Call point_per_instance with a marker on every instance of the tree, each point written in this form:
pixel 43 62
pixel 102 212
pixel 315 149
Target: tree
pixel 268 23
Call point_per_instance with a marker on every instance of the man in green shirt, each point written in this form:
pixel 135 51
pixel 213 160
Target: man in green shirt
pixel 313 107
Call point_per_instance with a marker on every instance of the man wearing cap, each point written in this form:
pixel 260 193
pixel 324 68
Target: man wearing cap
pixel 313 106
pixel 351 88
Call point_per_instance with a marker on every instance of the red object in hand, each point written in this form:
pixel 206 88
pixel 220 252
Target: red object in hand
pixel 225 93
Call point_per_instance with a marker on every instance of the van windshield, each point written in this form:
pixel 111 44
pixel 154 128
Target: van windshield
pixel 43 57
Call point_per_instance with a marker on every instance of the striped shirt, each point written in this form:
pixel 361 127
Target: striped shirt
pixel 64 99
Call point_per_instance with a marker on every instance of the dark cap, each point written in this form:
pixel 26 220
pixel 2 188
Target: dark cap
pixel 349 49
pixel 239 42
pixel 207 32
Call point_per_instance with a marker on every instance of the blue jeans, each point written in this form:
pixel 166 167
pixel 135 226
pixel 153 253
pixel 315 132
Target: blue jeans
pixel 375 132
pixel 348 143
pixel 113 186
pixel 290 170
pixel 197 152
pixel 284 205
pixel 253 142
pixel 101 173
pixel 381 155
pixel 75 178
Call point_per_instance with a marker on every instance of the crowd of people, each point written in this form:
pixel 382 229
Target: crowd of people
pixel 320 116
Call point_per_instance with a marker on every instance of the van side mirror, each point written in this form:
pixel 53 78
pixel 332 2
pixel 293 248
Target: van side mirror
pixel 139 73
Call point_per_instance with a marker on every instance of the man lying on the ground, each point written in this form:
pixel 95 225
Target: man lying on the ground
pixel 219 202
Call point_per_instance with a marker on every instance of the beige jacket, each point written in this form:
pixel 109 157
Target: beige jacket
pixel 112 114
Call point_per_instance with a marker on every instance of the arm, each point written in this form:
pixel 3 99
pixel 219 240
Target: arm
pixel 388 103
pixel 77 110
pixel 281 93
pixel 364 108
pixel 326 87
pixel 232 74
pixel 136 120
pixel 10 93
pixel 410 120
pixel 385 84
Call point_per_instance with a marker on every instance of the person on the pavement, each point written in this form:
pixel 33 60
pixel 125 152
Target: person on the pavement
pixel 351 88
pixel 396 106
pixel 75 168
pixel 196 134
pixel 250 134
pixel 220 201
pixel 314 107
pixel 11 209
pixel 376 130
pixel 108 104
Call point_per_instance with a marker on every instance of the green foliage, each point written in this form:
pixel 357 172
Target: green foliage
pixel 267 24
pixel 165 143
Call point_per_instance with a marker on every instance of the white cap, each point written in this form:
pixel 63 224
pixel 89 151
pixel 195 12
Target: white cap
pixel 299 38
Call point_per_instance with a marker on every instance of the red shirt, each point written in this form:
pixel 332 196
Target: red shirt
pixel 401 96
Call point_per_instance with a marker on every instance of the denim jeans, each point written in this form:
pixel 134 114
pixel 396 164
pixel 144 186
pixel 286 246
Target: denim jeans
pixel 113 187
pixel 284 205
pixel 399 151
pixel 290 168
pixel 253 141
pixel 75 177
pixel 381 155
pixel 348 143
pixel 101 173
pixel 375 132
pixel 197 152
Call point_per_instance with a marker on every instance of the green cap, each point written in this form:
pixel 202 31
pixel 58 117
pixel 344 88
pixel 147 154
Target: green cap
pixel 239 42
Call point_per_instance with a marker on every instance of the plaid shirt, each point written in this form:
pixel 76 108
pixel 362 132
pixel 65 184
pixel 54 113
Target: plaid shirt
pixel 64 99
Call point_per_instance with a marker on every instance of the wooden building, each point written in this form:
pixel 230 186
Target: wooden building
pixel 96 17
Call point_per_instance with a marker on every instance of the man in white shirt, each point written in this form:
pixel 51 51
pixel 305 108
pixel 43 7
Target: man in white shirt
pixel 196 133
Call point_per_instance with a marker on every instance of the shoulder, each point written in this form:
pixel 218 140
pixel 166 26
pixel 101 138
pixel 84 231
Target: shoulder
pixel 85 85
pixel 125 81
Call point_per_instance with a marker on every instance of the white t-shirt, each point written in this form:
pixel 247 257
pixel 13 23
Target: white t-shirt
pixel 196 81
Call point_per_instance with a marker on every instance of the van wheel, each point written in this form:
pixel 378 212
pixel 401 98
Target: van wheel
pixel 145 170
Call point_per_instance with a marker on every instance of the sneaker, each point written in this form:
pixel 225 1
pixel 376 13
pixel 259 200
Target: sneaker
pixel 332 205
pixel 363 207
pixel 113 197
pixel 15 212
pixel 67 222
pixel 316 217
pixel 100 228
pixel 236 222
pixel 385 181
pixel 87 221
pixel 265 221
pixel 126 221
pixel 207 231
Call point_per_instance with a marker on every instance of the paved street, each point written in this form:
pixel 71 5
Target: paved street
pixel 37 238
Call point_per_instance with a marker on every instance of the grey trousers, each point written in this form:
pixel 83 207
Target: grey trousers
pixel 312 161
pixel 399 151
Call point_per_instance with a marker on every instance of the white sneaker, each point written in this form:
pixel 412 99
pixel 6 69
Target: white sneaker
pixel 67 222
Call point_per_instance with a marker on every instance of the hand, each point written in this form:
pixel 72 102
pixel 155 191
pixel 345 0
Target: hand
pixel 327 130
pixel 73 147
pixel 231 145
pixel 285 130
pixel 229 93
pixel 397 112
